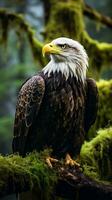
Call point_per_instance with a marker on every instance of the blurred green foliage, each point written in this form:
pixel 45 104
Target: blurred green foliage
pixel 6 124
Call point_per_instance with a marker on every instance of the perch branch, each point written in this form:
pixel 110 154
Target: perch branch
pixel 95 15
pixel 22 174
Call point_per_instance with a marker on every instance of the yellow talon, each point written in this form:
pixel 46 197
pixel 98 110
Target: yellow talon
pixel 70 161
pixel 50 160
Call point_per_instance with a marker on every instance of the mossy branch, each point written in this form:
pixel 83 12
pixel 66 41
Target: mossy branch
pixel 11 21
pixel 95 15
pixel 19 174
pixel 96 156
pixel 32 173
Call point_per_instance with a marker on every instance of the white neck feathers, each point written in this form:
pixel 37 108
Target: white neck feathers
pixel 68 69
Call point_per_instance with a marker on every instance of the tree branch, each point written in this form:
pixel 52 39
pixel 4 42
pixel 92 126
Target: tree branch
pixel 9 21
pixel 22 174
pixel 95 15
pixel 73 184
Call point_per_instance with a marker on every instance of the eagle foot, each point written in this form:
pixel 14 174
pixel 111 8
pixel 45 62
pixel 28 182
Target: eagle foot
pixel 50 160
pixel 70 161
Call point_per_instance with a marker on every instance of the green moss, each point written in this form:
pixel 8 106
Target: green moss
pixel 65 20
pixel 96 156
pixel 104 115
pixel 31 171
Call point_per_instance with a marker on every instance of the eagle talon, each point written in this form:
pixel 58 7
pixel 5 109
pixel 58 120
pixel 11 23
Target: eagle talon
pixel 50 160
pixel 70 161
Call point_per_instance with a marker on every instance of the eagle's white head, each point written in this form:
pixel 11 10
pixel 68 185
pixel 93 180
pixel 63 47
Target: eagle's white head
pixel 68 57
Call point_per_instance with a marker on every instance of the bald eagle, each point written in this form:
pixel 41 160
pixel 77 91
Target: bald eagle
pixel 56 107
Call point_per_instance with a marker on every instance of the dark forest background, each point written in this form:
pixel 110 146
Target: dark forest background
pixel 17 63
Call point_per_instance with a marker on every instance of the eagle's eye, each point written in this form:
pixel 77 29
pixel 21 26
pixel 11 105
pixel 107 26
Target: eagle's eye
pixel 63 46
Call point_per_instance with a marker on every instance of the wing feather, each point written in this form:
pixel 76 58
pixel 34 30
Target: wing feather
pixel 28 104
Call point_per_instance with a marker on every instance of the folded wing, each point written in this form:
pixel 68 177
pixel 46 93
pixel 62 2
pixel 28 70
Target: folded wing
pixel 28 105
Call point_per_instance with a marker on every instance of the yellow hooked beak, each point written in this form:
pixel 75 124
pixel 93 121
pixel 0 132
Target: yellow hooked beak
pixel 51 49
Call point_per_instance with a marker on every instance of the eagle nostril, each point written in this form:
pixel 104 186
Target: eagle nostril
pixel 51 45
